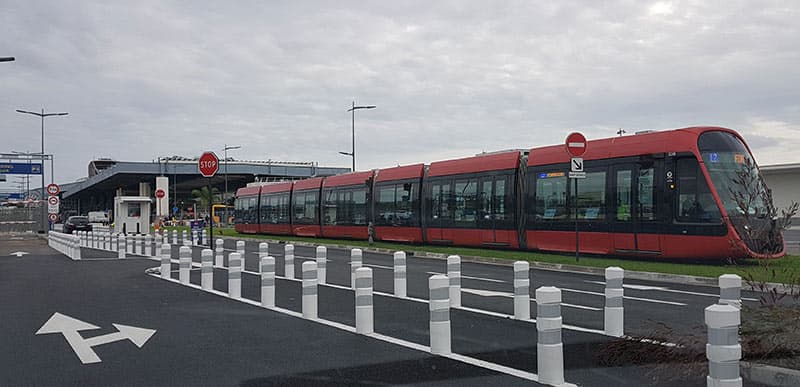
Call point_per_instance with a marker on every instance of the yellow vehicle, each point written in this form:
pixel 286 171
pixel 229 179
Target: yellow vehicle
pixel 223 213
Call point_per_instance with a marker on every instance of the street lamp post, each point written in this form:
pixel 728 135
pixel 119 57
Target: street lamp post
pixel 42 115
pixel 226 149
pixel 353 110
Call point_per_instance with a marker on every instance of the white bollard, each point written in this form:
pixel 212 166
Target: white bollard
pixel 129 244
pixel 185 238
pixel 364 310
pixel 194 237
pixel 204 238
pixel 166 260
pixel 454 273
pixel 207 270
pixel 240 250
pixel 322 258
pixel 148 245
pixel 730 290
pixel 166 237
pixel 288 261
pixel 439 305
pixel 614 313
pixel 157 247
pixel 122 246
pixel 549 348
pixel 185 263
pixel 104 241
pixel 134 242
pixel 174 237
pixel 235 275
pixel 522 290
pixel 723 349
pixel 140 239
pixel 263 251
pixel 309 290
pixel 356 260
pixel 267 269
pixel 114 242
pixel 219 260
pixel 400 282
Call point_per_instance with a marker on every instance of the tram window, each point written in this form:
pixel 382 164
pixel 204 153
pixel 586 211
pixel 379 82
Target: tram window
pixel 358 207
pixel 623 195
pixel 299 205
pixel 695 202
pixel 592 196
pixel 396 205
pixel 551 197
pixel 329 207
pixel 485 199
pixel 466 202
pixel 406 203
pixel 253 210
pixel 386 206
pixel 646 203
pixel 500 198
pixel 441 209
pixel 310 208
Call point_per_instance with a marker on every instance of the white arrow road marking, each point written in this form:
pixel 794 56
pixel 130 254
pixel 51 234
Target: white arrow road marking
pixel 492 293
pixel 69 327
pixel 19 253
pixel 668 290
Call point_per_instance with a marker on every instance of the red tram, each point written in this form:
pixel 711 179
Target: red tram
pixel 659 194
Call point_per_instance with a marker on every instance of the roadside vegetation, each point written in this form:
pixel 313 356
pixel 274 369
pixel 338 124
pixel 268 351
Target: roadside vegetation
pixel 751 268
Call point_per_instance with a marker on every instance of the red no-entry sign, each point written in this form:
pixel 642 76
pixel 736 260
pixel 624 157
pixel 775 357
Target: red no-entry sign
pixel 208 164
pixel 160 193
pixel 576 144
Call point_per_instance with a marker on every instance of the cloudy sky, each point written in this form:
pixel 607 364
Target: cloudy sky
pixel 146 79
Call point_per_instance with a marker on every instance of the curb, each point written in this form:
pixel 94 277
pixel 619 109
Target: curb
pixel 770 375
pixel 680 279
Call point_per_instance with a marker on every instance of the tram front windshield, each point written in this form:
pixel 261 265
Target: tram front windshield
pixel 728 160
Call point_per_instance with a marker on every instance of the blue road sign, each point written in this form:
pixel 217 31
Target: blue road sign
pixel 20 169
pixel 174 210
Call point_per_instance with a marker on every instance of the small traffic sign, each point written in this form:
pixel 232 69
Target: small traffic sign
pixel 576 144
pixel 52 200
pixel 208 164
pixel 577 175
pixel 53 218
pixel 576 165
pixel 53 189
pixel 160 193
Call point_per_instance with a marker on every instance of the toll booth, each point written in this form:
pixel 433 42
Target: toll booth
pixel 132 214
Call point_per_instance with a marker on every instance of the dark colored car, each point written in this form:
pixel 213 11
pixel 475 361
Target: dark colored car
pixel 80 223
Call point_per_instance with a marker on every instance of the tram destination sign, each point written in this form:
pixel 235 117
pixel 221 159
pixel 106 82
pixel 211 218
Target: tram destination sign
pixel 21 168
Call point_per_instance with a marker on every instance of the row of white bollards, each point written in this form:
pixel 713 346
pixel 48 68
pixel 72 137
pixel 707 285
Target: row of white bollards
pixel 723 319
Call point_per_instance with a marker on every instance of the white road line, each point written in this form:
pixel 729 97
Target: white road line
pixel 475 278
pixel 492 293
pixel 627 297
pixel 379 266
pixel 392 340
pixel 668 290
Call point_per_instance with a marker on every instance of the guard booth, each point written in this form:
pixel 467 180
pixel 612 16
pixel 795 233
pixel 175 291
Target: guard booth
pixel 132 214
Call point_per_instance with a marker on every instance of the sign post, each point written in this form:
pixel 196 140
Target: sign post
pixel 159 195
pixel 575 146
pixel 208 165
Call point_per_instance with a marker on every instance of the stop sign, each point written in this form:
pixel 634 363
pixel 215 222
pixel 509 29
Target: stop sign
pixel 576 144
pixel 208 164
pixel 160 193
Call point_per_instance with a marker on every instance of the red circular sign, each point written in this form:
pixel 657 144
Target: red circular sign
pixel 53 200
pixel 576 144
pixel 208 164
pixel 53 189
pixel 53 217
pixel 160 193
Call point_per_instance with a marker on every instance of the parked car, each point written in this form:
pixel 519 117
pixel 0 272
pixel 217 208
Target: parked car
pixel 98 217
pixel 80 223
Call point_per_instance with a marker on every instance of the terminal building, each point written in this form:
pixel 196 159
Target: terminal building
pixel 107 179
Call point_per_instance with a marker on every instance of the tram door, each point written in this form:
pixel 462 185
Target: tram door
pixel 634 219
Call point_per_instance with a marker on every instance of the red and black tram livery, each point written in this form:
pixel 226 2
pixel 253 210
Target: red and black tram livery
pixel 664 194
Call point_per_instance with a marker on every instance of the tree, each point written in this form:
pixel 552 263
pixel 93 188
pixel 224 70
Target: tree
pixel 202 197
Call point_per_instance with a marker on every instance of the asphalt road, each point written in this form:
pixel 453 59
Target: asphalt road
pixel 205 339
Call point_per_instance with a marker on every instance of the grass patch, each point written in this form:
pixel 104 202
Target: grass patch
pixel 784 270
